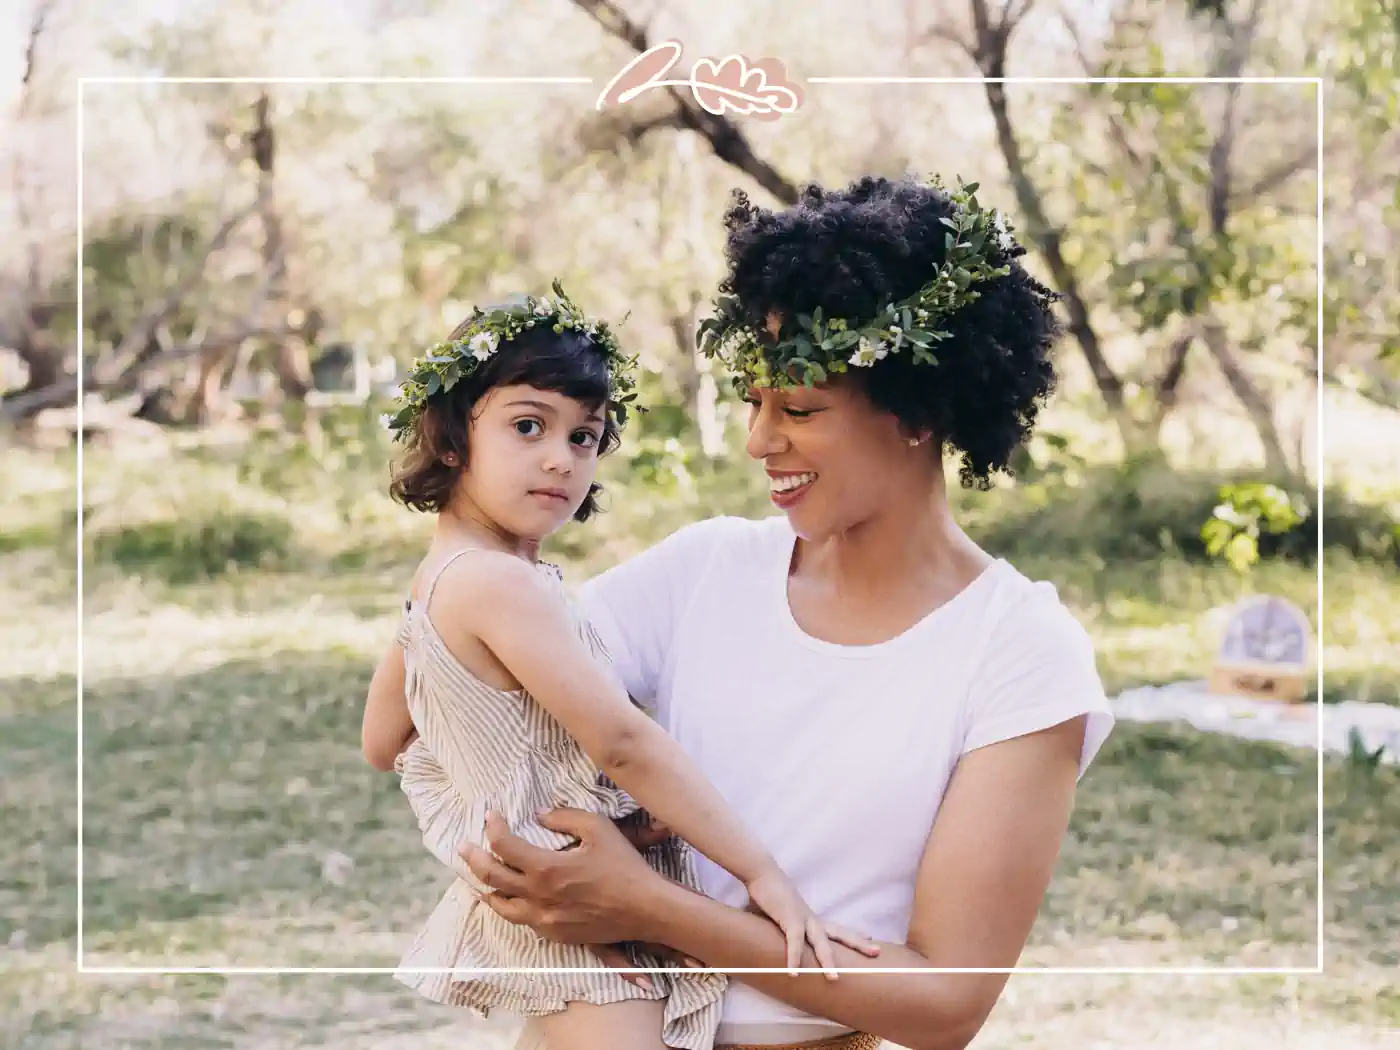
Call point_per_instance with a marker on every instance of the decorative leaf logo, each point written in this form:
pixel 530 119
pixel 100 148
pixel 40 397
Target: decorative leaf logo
pixel 760 89
pixel 645 71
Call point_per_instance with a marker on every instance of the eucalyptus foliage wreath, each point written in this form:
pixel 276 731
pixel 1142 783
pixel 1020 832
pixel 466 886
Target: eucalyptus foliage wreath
pixel 810 348
pixel 445 364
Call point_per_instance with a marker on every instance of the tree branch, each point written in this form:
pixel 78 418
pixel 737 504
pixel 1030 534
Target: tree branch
pixel 1015 11
pixel 1248 395
pixel 991 59
pixel 1230 64
pixel 726 140
pixel 135 345
pixel 18 406
pixel 1276 176
pixel 1168 384
pixel 941 30
pixel 24 211
pixel 634 133
pixel 139 348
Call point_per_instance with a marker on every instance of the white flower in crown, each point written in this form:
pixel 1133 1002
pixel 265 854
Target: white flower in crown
pixel 385 420
pixel 1004 239
pixel 483 345
pixel 898 334
pixel 543 307
pixel 867 353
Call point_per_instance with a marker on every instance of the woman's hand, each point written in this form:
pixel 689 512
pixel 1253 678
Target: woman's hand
pixel 774 894
pixel 598 892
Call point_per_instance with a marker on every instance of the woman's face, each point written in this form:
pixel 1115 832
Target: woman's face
pixel 833 459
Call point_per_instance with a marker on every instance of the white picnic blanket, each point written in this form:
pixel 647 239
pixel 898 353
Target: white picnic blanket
pixel 1378 725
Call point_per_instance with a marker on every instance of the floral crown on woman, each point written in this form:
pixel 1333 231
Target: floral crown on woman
pixel 812 347
pixel 481 335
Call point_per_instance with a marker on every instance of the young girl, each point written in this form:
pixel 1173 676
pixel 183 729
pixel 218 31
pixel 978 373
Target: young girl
pixel 508 691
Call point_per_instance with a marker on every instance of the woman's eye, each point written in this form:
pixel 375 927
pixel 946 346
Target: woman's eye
pixel 523 426
pixel 798 413
pixel 585 439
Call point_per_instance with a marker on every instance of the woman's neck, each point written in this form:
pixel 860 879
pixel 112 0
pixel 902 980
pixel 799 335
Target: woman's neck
pixel 912 542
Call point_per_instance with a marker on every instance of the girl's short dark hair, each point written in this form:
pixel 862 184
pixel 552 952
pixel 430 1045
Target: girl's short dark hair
pixel 852 251
pixel 566 362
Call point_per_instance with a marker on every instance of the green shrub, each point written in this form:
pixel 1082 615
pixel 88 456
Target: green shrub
pixel 196 546
pixel 1144 510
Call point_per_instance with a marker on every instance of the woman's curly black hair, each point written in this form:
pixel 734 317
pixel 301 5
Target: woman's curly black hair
pixel 853 250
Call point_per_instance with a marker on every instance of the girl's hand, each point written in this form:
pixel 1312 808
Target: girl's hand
pixel 774 894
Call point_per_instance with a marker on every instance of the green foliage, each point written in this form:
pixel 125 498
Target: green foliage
pixel 1146 509
pixel 1363 760
pixel 1363 70
pixel 129 260
pixel 1245 510
pixel 1163 258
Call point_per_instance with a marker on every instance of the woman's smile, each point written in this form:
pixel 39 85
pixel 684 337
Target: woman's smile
pixel 786 488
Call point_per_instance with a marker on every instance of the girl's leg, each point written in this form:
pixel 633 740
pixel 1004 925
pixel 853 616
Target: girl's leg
pixel 633 1024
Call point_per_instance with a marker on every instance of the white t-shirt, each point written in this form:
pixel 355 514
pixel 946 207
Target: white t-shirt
pixel 836 756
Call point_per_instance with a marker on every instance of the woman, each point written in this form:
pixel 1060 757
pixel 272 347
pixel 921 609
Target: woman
pixel 901 716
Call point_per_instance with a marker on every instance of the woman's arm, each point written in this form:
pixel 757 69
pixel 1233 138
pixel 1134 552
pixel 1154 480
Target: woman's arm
pixel 504 604
pixel 984 873
pixel 387 727
pixel 981 882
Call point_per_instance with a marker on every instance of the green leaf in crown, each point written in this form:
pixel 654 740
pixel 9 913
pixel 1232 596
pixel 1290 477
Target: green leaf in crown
pixel 811 348
pixel 445 364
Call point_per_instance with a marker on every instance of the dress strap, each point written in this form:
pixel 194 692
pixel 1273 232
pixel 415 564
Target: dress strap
pixel 432 584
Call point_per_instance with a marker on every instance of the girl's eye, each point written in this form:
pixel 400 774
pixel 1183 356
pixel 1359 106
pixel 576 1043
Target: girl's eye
pixel 585 439
pixel 798 413
pixel 523 426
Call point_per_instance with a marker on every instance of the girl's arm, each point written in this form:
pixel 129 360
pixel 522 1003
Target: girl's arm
pixel 502 602
pixel 387 727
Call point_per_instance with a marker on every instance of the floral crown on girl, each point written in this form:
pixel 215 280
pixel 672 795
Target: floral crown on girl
pixel 445 364
pixel 812 347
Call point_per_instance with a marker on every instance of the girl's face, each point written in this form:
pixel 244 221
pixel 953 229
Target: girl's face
pixel 833 459
pixel 533 456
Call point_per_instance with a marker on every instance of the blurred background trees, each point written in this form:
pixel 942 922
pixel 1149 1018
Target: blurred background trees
pixel 255 254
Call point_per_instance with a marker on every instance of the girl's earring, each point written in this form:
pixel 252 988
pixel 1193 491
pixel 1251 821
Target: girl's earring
pixel 915 441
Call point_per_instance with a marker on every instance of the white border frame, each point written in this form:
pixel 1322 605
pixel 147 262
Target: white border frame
pixel 1184 971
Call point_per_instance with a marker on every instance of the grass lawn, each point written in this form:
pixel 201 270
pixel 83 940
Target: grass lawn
pixel 221 771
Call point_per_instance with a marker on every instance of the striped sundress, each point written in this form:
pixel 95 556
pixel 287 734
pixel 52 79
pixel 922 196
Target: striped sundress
pixel 480 748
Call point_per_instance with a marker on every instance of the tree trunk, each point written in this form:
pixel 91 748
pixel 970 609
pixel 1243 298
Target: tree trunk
pixel 293 361
pixel 1255 403
pixel 1049 240
pixel 41 354
pixel 207 400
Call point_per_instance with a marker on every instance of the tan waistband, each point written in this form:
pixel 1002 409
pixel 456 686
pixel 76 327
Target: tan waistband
pixel 852 1041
